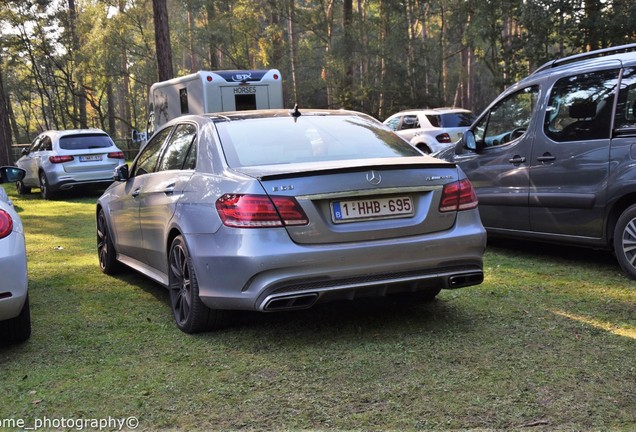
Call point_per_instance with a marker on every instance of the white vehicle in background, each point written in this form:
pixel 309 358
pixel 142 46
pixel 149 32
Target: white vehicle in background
pixel 213 91
pixel 431 130
pixel 15 315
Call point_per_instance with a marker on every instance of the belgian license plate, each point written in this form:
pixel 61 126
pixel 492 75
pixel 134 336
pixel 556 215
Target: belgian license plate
pixel 371 208
pixel 91 158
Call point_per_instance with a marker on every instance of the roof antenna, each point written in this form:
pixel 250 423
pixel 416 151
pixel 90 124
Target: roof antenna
pixel 295 112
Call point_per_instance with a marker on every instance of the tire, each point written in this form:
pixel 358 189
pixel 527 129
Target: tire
pixel 424 148
pixel 45 190
pixel 17 329
pixel 190 314
pixel 21 188
pixel 625 241
pixel 105 249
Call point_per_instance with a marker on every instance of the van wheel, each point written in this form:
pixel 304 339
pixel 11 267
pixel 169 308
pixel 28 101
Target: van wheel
pixel 625 241
pixel 190 313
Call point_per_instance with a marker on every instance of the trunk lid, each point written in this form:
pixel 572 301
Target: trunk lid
pixel 361 200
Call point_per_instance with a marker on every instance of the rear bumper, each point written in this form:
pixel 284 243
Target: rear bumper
pixel 65 183
pixel 263 270
pixel 13 284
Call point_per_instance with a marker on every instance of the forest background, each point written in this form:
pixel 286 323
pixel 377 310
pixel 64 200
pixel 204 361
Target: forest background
pixel 89 63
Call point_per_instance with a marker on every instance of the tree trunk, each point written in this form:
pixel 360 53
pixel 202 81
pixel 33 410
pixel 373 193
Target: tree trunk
pixel 6 158
pixel 346 87
pixel 162 40
pixel 292 49
pixel 193 61
pixel 110 98
pixel 78 87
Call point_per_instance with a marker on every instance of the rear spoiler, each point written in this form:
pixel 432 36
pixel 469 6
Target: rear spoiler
pixel 275 172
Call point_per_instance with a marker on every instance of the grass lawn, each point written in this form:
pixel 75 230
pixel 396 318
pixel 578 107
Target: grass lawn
pixel 547 342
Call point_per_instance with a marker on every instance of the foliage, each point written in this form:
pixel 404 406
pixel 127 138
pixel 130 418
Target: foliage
pixel 546 343
pixel 92 65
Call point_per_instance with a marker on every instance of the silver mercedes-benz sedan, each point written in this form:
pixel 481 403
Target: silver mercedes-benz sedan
pixel 277 210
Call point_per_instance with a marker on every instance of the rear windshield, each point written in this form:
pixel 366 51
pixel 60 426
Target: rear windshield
pixel 451 120
pixel 283 140
pixel 85 141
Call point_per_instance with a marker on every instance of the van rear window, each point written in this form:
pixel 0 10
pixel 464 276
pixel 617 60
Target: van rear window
pixel 85 142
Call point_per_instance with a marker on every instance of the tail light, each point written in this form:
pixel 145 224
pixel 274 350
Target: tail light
pixel 6 224
pixel 116 155
pixel 458 196
pixel 60 159
pixel 443 138
pixel 260 211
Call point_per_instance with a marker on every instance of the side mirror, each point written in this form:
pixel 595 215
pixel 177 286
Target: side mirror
pixel 9 174
pixel 121 173
pixel 469 141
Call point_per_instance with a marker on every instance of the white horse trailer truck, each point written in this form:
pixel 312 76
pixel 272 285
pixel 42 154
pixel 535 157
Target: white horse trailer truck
pixel 213 91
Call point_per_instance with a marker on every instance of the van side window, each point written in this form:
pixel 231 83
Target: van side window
pixel 625 120
pixel 580 107
pixel 509 119
pixel 176 151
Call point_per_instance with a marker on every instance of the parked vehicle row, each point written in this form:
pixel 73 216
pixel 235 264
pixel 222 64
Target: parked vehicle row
pixel 276 210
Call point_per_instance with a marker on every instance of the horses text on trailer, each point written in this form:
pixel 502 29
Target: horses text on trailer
pixel 213 91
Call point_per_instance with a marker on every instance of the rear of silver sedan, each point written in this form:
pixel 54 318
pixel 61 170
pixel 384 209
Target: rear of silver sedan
pixel 279 210
pixel 334 230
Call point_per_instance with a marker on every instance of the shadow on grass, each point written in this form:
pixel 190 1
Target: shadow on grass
pixel 565 254
pixel 364 315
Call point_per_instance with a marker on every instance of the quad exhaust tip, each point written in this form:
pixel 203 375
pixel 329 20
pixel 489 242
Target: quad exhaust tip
pixel 301 301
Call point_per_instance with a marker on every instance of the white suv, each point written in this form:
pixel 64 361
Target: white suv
pixel 62 160
pixel 431 130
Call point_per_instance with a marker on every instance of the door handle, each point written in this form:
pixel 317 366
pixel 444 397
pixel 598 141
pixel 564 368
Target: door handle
pixel 136 193
pixel 169 190
pixel 547 157
pixel 517 160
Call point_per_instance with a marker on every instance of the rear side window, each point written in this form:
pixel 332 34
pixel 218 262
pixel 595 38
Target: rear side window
pixel 394 123
pixel 410 122
pixel 625 120
pixel 147 159
pixel 453 120
pixel 85 142
pixel 177 149
pixel 580 107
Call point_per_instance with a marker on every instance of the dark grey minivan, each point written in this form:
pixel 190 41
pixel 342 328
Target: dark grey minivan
pixel 553 158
